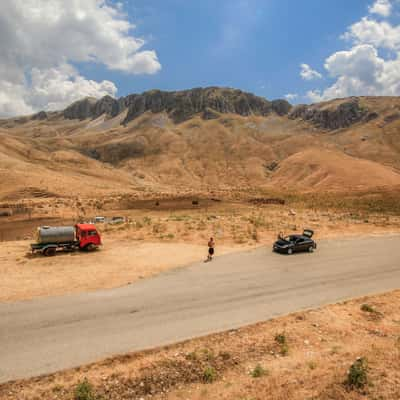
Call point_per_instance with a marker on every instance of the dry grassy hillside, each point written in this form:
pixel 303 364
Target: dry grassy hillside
pixel 349 144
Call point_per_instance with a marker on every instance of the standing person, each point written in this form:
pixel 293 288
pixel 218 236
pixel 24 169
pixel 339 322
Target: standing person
pixel 211 245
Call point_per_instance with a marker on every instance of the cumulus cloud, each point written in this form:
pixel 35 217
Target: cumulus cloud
pixel 314 96
pixel 378 33
pixel 308 74
pixel 53 88
pixel 291 96
pixel 381 7
pixel 362 69
pixel 40 40
pixel 361 62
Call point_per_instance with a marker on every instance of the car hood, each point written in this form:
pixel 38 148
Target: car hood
pixel 282 242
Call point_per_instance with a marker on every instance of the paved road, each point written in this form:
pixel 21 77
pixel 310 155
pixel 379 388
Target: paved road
pixel 46 335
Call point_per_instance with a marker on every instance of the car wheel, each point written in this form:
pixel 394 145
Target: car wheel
pixel 290 251
pixel 311 249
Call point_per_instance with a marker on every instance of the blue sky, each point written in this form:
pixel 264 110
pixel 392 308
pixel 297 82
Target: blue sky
pixel 253 45
pixel 55 52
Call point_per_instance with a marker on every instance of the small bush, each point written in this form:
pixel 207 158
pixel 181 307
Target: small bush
pixel 312 365
pixel 284 349
pixel 209 375
pixel 192 356
pixel 84 391
pixel 367 308
pixel 254 235
pixel 357 376
pixel 158 228
pixel 208 354
pixel 280 338
pixel 146 220
pixel 258 371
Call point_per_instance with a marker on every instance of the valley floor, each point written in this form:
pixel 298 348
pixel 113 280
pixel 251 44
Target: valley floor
pixel 150 242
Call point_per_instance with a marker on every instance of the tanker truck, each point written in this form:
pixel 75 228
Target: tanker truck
pixel 49 239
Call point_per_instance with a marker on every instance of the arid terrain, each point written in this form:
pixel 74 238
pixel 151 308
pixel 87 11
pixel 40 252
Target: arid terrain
pixel 180 167
pixel 305 355
pixel 200 141
pixel 167 236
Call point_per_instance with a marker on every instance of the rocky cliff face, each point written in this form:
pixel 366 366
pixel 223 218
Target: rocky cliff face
pixel 332 115
pixel 180 106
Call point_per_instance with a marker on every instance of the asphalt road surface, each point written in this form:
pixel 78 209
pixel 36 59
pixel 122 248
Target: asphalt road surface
pixel 49 334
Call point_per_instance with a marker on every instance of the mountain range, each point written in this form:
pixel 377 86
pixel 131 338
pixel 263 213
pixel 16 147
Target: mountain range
pixel 201 140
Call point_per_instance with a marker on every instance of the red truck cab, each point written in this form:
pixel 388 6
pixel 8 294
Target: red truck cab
pixel 87 236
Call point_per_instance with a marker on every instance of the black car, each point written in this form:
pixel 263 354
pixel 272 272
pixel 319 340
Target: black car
pixel 295 243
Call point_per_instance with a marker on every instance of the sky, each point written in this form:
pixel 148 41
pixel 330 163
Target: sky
pixel 54 52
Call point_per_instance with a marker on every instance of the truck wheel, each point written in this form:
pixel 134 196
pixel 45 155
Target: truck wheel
pixel 311 249
pixel 290 251
pixel 90 247
pixel 50 251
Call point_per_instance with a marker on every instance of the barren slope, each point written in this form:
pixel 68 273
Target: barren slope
pixel 215 139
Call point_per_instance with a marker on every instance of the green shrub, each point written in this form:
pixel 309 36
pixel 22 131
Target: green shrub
pixel 209 375
pixel 357 376
pixel 367 308
pixel 258 371
pixel 208 354
pixel 84 391
pixel 284 349
pixel 280 338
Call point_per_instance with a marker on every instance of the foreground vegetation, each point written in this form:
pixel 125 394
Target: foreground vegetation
pixel 343 351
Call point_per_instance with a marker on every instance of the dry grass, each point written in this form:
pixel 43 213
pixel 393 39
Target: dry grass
pixel 324 343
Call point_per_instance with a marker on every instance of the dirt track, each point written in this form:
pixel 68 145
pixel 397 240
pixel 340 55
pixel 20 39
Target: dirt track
pixel 49 334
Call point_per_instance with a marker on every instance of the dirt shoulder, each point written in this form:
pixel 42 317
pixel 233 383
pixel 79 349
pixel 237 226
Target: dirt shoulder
pixel 120 262
pixel 305 355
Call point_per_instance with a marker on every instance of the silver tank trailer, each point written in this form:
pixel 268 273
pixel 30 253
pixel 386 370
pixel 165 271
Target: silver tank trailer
pixel 55 234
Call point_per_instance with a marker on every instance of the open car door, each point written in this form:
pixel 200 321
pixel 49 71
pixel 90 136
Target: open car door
pixel 308 232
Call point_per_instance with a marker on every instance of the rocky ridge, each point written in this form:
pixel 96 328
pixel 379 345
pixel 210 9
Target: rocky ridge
pixel 179 105
pixel 333 116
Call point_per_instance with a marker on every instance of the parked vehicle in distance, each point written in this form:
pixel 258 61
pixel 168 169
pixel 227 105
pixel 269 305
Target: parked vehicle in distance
pixel 99 220
pixel 117 220
pixel 296 243
pixel 67 238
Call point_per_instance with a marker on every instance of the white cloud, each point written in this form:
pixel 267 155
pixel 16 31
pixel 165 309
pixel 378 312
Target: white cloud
pixel 56 87
pixel 314 96
pixel 41 39
pixel 361 62
pixel 291 96
pixel 362 70
pixel 378 33
pixel 12 100
pixel 381 7
pixel 307 73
